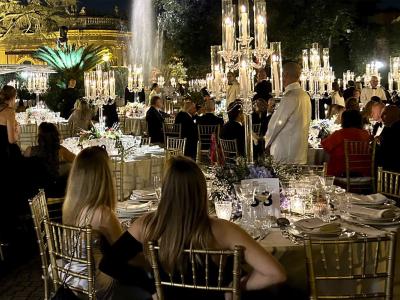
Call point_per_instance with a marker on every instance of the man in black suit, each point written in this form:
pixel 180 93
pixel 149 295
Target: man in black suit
pixel 189 129
pixel 349 91
pixel 155 120
pixel 209 118
pixel 263 87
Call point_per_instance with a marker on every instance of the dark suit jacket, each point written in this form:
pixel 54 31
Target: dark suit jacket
pixel 189 131
pixel 263 90
pixel 232 130
pixel 210 119
pixel 389 149
pixel 155 121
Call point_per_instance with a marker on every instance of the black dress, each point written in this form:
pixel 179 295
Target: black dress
pixel 189 131
pixel 233 130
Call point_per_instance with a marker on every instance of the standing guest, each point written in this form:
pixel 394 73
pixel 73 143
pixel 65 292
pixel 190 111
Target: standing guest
pixel 81 118
pixel 155 120
pixel 155 90
pixel 188 128
pixel 68 99
pixel 352 104
pixel 209 117
pixel 262 115
pixel 21 106
pixel 388 142
pixel 336 95
pixel 349 91
pixel 334 144
pixel 184 195
pixel 234 129
pixel 357 94
pixel 287 134
pixel 205 93
pixel 263 87
pixel 233 89
pixel 376 116
pixel 368 92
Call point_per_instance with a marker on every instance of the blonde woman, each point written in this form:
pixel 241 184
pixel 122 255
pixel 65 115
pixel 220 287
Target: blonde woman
pixel 91 199
pixel 81 118
pixel 182 221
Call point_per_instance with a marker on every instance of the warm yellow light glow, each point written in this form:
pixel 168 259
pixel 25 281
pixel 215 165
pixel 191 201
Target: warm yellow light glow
pixel 106 57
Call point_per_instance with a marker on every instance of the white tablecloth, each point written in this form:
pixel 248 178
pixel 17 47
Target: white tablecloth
pixel 135 126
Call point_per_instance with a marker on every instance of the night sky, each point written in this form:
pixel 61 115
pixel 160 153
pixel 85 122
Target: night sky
pixel 107 5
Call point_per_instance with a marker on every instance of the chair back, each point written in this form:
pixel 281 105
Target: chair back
pixel 195 282
pixel 257 129
pixel 145 141
pixel 229 150
pixel 176 144
pixel 71 246
pixel 172 130
pixel 118 171
pixel 28 136
pixel 348 269
pixel 205 133
pixel 39 214
pixel 388 183
pixel 65 130
pixel 169 120
pixel 359 160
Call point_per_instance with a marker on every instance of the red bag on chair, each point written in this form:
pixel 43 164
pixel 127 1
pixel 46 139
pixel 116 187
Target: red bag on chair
pixel 216 155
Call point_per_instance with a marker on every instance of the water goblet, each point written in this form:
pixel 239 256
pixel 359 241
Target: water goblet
pixel 157 186
pixel 223 209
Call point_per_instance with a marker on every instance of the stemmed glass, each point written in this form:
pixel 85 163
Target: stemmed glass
pixel 157 190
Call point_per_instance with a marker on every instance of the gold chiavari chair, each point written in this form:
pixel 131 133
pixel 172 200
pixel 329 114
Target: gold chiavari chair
pixel 205 133
pixel 65 130
pixel 359 159
pixel 229 150
pixel 144 128
pixel 145 141
pixel 54 207
pixel 205 256
pixel 175 147
pixel 257 129
pixel 70 245
pixel 348 269
pixel 28 137
pixel 118 171
pixel 40 213
pixel 172 130
pixel 388 183
pixel 169 120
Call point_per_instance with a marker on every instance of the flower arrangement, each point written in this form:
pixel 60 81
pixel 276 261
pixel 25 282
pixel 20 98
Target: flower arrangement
pixel 320 129
pixel 113 133
pixel 135 110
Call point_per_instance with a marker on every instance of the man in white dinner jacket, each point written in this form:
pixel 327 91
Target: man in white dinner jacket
pixel 287 134
pixel 368 92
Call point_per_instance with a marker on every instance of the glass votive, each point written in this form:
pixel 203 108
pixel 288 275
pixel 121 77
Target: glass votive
pixel 223 209
pixel 329 180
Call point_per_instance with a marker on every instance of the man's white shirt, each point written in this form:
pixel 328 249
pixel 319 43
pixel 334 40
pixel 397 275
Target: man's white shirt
pixel 232 92
pixel 367 93
pixel 287 132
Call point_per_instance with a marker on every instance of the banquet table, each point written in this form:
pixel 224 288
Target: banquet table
pixel 135 126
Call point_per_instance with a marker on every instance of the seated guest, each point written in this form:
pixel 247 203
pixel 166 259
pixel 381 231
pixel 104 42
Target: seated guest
pixel 234 129
pixel 376 117
pixel 209 118
pixel 155 120
pixel 188 128
pixel 352 104
pixel 334 144
pixel 81 117
pixel 335 111
pixel 184 196
pixel 49 161
pixel 376 99
pixel 367 112
pixel 21 106
pixel 388 142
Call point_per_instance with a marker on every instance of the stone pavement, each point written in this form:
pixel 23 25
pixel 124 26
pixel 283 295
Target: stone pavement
pixel 23 282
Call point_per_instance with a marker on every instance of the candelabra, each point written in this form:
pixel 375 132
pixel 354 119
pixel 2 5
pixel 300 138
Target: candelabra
pixel 372 69
pixel 161 81
pixel 316 78
pixel 135 80
pixel 195 85
pixel 37 84
pixel 99 89
pixel 348 76
pixel 394 74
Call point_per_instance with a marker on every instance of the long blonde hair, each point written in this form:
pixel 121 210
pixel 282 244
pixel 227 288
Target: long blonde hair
pixel 181 220
pixel 90 186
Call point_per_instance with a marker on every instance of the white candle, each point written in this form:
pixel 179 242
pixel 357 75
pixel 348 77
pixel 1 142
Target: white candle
pixel 243 80
pixel 229 34
pixel 276 77
pixel 261 32
pixel 244 17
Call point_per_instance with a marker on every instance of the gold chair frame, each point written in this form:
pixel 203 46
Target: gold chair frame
pixel 71 244
pixel 40 213
pixel 205 133
pixel 229 150
pixel 65 130
pixel 351 273
pixel 28 135
pixel 118 165
pixel 237 254
pixel 388 183
pixel 172 130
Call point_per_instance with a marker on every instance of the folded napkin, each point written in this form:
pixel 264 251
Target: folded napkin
pixel 143 193
pixel 369 199
pixel 317 226
pixel 367 230
pixel 137 207
pixel 372 213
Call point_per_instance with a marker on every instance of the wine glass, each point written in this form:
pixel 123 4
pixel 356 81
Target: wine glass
pixel 157 186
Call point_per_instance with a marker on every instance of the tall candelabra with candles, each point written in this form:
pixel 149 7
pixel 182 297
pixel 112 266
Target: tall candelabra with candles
pixel 100 89
pixel 37 83
pixel 238 53
pixel 371 69
pixel 394 74
pixel 135 80
pixel 348 76
pixel 316 78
